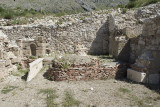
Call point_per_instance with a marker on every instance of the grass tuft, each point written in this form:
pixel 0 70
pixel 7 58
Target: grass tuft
pixel 23 71
pixel 69 100
pixel 50 93
pixel 141 102
pixel 8 89
pixel 18 22
pixel 32 57
pixel 124 90
pixel 20 72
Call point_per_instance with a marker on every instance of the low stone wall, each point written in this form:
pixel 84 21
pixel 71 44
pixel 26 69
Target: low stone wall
pixel 34 68
pixel 88 71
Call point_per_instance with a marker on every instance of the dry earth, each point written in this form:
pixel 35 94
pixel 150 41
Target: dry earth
pixel 95 93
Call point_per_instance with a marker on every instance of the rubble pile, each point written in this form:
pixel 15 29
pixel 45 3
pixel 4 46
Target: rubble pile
pixel 9 55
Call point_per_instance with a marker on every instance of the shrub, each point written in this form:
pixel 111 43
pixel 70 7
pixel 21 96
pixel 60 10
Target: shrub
pixel 139 3
pixel 131 5
pixel 151 2
pixel 8 16
pixel 1 9
pixel 124 10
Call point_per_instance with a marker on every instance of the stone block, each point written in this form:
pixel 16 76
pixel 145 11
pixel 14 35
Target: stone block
pixel 34 68
pixel 158 33
pixel 10 55
pixel 136 76
pixel 40 52
pixel 8 62
pixel 40 38
pixel 154 79
pixel 3 73
pixel 48 61
pixel 12 69
pixel 141 42
pixel 2 63
pixel 16 60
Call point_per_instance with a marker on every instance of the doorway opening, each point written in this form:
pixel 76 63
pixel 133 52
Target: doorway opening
pixel 33 49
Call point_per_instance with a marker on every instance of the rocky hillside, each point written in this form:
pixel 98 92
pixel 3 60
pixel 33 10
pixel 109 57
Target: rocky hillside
pixel 62 5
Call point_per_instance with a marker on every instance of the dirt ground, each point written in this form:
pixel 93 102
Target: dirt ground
pixel 95 93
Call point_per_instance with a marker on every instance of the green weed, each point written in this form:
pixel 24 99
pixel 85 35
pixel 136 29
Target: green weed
pixel 124 10
pixel 85 90
pixel 18 22
pixel 50 96
pixel 69 100
pixel 8 89
pixel 20 72
pixel 32 57
pixel 124 90
pixel 143 102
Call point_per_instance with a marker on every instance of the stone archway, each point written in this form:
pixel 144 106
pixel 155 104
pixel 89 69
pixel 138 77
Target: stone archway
pixel 33 49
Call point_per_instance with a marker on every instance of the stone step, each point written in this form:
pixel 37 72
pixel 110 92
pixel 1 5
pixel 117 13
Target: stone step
pixel 136 76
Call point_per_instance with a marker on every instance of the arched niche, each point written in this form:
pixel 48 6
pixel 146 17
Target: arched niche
pixel 33 49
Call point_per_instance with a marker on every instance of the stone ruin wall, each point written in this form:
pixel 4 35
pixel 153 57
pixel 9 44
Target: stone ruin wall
pixel 9 55
pixel 149 40
pixel 130 33
pixel 98 32
pixel 93 70
pixel 91 32
pixel 148 46
pixel 146 16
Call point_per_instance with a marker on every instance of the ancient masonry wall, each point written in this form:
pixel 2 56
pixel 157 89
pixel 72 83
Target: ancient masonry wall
pixel 100 34
pixel 148 50
pixel 149 40
pixel 88 71
pixel 63 37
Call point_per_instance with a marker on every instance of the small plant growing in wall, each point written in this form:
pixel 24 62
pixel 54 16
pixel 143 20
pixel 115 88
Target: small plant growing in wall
pixel 32 57
pixel 18 66
pixel 66 65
